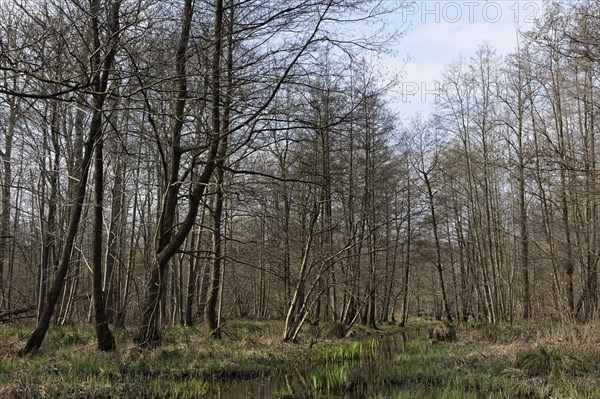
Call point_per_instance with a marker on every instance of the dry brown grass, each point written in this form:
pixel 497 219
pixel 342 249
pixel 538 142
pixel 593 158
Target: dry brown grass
pixel 562 360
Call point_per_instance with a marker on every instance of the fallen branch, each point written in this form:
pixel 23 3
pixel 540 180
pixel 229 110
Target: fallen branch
pixel 14 312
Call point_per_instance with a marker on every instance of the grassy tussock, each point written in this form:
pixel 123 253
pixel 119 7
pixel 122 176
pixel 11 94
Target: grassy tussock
pixel 534 360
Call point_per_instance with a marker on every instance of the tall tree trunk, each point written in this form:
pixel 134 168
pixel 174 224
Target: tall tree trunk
pixel 405 283
pixel 523 222
pixel 194 245
pixel 149 334
pixel 106 341
pixel 297 313
pixel 438 249
pixel 37 337
pixel 564 207
pixel 210 311
pixel 100 83
pixel 121 311
pixel 113 281
pixel 49 242
pixel 5 202
pixel 221 131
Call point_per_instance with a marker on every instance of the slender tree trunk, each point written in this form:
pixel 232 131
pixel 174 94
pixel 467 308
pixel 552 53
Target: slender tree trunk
pixel 37 337
pixel 49 242
pixel 100 83
pixel 438 249
pixel 112 284
pixel 295 315
pixel 106 341
pixel 523 222
pixel 5 201
pixel 564 207
pixel 195 242
pixel 405 283
pixel 210 312
pixel 149 334
pixel 121 311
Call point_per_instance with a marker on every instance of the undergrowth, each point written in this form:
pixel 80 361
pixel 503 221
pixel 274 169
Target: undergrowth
pixel 529 361
pixel 187 364
pixel 526 360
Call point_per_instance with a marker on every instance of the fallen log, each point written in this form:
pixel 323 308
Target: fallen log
pixel 6 314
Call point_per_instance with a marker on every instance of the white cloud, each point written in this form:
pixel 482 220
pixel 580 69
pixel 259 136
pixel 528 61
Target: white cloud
pixel 441 31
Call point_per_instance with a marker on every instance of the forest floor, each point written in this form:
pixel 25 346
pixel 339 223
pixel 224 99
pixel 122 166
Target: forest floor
pixel 524 360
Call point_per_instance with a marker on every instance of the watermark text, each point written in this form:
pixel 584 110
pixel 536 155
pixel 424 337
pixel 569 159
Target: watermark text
pixel 521 12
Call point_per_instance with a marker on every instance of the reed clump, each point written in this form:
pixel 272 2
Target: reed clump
pixel 524 360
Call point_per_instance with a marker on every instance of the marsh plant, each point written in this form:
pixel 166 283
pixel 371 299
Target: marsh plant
pixel 329 379
pixel 550 364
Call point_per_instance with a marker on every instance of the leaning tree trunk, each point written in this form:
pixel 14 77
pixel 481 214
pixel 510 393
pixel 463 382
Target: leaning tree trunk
pixel 100 82
pixel 149 334
pixel 37 337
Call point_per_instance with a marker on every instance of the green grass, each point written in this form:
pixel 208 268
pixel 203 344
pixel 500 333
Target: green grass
pixel 328 380
pixel 283 393
pixel 187 364
pixel 424 372
pixel 502 361
pixel 339 354
pixel 519 361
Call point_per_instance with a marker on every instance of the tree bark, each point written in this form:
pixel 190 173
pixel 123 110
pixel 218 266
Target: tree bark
pixel 106 341
pixel 100 83
pixel 438 249
pixel 5 202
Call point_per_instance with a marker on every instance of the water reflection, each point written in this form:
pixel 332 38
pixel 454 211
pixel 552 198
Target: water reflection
pixel 361 374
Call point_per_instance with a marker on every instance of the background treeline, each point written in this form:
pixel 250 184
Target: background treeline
pixel 187 162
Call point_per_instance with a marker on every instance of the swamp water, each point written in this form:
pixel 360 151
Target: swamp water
pixel 349 373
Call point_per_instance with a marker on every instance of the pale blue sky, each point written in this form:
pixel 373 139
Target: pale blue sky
pixel 440 31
